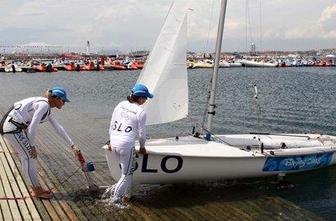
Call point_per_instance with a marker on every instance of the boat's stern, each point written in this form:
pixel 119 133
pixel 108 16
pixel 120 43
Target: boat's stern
pixel 113 163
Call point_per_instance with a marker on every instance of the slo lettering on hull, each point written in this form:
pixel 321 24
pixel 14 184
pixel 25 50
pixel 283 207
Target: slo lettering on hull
pixel 163 164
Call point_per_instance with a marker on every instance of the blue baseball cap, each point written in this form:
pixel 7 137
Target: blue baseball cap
pixel 141 90
pixel 60 92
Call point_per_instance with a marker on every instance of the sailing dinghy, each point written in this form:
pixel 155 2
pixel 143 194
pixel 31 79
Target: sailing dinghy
pixel 206 157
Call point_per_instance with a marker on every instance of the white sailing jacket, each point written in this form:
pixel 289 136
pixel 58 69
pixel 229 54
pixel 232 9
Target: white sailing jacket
pixel 128 121
pixel 33 111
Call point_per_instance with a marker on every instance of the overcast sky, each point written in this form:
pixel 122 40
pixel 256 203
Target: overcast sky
pixel 128 25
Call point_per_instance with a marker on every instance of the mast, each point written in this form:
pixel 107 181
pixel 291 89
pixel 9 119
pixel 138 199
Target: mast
pixel 211 103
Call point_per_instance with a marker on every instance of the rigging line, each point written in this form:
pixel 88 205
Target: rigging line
pixel 99 162
pixel 195 123
pixel 206 104
pixel 209 26
pixel 249 34
pixel 216 138
pixel 248 25
pixel 260 26
pixel 246 40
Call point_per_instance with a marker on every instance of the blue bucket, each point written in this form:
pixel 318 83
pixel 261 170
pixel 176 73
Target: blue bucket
pixel 90 166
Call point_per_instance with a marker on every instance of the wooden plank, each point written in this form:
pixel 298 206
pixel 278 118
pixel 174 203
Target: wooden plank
pixel 59 196
pixel 45 216
pixel 1 218
pixel 55 183
pixel 49 208
pixel 85 142
pixel 52 206
pixel 22 186
pixel 14 210
pixel 19 198
pixel 71 162
pixel 54 202
pixel 53 209
pixel 58 185
pixel 4 203
pixel 63 206
pixel 11 174
pixel 37 203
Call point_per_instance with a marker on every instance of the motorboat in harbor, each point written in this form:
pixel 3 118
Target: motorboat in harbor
pixel 117 65
pixel 204 155
pixel 207 63
pixel 12 68
pixel 234 64
pixel 261 64
pixel 45 68
pixel 71 67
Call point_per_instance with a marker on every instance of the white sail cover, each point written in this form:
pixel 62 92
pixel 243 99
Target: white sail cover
pixel 165 72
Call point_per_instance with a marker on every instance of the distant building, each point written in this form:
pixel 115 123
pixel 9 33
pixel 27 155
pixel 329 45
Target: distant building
pixel 253 49
pixel 87 52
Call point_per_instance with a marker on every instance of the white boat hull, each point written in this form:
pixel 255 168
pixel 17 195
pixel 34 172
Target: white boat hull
pixel 248 63
pixel 10 69
pixel 193 159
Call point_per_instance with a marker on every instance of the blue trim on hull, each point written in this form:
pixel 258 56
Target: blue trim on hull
pixel 302 162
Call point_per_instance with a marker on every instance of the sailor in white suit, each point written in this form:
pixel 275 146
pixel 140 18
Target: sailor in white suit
pixel 128 121
pixel 19 127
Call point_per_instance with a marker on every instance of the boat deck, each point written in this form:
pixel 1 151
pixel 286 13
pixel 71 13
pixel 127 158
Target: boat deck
pixel 72 201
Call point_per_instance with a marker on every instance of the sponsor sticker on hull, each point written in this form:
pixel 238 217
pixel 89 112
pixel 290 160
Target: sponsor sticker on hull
pixel 302 162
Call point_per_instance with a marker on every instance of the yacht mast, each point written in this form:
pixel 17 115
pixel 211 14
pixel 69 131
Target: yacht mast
pixel 211 103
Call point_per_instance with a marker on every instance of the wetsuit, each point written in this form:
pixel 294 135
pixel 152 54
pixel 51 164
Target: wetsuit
pixel 19 127
pixel 128 122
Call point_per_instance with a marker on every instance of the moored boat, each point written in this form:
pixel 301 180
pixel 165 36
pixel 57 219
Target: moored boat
pixel 202 64
pixel 45 68
pixel 70 67
pixel 190 158
pixel 204 155
pixel 117 65
pixel 250 63
pixel 12 68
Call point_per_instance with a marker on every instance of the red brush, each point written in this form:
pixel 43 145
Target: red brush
pixel 80 158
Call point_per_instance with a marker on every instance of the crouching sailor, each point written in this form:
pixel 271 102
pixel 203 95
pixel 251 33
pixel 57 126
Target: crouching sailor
pixel 128 121
pixel 19 127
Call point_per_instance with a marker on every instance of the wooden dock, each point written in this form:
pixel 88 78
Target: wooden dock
pixel 72 201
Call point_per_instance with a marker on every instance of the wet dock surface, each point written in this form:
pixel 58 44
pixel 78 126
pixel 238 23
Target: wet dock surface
pixel 60 172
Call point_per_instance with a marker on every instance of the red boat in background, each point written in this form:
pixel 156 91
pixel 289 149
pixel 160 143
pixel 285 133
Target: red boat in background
pixel 323 63
pixel 70 67
pixel 45 68
pixel 91 66
pixel 132 66
pixel 139 64
pixel 117 65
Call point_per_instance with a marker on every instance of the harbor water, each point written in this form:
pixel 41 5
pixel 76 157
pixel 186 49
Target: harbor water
pixel 290 100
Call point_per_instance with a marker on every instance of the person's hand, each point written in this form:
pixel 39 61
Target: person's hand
pixel 142 150
pixel 78 154
pixel 109 147
pixel 75 149
pixel 33 152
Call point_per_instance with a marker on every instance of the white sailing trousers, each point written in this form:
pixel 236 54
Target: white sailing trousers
pixel 21 145
pixel 127 162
